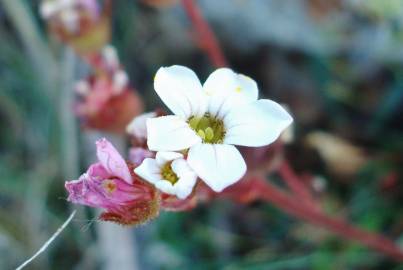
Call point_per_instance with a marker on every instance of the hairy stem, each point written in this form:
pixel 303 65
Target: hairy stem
pixel 296 185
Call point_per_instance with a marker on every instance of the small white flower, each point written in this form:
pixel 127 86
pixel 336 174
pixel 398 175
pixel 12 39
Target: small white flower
pixel 137 127
pixel 169 172
pixel 211 118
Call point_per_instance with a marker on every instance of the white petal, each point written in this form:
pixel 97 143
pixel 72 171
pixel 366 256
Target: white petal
pixel 181 189
pixel 256 124
pixel 185 186
pixel 227 89
pixel 180 90
pixel 181 167
pixel 164 157
pixel 170 133
pixel 218 165
pixel 187 178
pixel 149 171
pixel 137 126
pixel 165 186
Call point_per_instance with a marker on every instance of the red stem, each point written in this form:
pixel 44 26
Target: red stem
pixel 287 203
pixel 296 185
pixel 206 36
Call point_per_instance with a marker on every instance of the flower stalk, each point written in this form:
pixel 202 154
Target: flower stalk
pixel 288 203
pixel 205 36
pixel 296 185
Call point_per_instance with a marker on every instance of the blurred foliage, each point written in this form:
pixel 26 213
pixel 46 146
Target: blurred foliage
pixel 349 89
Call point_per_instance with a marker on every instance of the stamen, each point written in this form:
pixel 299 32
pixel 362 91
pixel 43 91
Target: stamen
pixel 201 134
pixel 210 129
pixel 194 122
pixel 209 133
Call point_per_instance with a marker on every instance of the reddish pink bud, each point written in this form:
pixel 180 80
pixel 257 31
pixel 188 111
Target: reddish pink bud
pixel 112 186
pixel 108 103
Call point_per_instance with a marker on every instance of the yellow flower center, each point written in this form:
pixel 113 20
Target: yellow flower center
pixel 168 174
pixel 209 128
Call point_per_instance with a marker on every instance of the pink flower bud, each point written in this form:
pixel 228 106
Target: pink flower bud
pixel 111 185
pixel 104 108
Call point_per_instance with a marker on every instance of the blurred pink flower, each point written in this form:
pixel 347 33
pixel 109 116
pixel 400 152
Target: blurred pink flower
pixel 66 8
pixel 104 61
pixel 107 102
pixel 83 24
pixel 110 185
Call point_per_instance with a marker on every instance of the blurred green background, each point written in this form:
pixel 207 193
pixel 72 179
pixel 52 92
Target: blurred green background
pixel 337 64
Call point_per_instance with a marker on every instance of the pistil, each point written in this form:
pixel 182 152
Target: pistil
pixel 168 174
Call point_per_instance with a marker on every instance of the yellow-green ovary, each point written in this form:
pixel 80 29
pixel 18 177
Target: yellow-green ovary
pixel 210 129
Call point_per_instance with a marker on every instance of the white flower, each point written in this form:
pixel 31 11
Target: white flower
pixel 137 127
pixel 169 172
pixel 211 118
